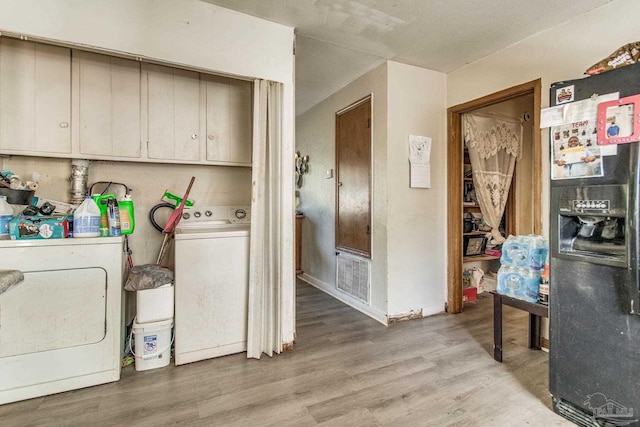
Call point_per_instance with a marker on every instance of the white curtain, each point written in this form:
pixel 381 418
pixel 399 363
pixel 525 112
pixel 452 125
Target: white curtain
pixel 494 144
pixel 265 278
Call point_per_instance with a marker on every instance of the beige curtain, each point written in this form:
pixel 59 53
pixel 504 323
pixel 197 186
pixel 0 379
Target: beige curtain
pixel 264 321
pixel 494 144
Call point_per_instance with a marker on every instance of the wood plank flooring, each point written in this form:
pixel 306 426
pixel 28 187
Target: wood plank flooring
pixel 345 370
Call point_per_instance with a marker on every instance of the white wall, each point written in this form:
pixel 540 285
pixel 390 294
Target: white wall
pixel 181 32
pixel 416 218
pixel 561 53
pixel 315 137
pixel 214 185
pixel 408 266
pixel 187 32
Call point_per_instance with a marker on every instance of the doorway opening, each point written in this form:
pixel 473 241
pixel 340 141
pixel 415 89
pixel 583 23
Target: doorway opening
pixel 523 102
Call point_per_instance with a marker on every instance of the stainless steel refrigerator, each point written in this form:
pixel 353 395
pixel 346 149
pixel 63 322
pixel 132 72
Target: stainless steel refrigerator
pixel 594 360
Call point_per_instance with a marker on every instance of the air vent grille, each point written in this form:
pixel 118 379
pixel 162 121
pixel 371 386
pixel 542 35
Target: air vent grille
pixel 353 276
pixel 574 414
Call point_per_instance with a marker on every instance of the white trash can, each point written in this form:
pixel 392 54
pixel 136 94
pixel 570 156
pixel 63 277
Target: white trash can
pixel 152 344
pixel 153 305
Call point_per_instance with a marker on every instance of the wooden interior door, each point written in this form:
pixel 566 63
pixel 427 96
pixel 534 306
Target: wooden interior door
pixel 353 178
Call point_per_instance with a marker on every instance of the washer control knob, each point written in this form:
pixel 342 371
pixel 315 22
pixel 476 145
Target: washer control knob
pixel 197 214
pixel 240 213
pixel 208 213
pixel 186 215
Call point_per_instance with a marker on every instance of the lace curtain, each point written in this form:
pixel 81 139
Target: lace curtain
pixel 494 144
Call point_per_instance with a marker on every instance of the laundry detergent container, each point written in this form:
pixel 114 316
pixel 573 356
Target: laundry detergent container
pixel 152 344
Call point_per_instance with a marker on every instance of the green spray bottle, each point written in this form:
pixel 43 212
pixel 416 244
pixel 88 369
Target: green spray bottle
pixel 101 201
pixel 127 217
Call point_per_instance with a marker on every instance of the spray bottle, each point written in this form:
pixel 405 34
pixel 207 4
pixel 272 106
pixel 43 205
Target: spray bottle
pixel 101 200
pixel 6 213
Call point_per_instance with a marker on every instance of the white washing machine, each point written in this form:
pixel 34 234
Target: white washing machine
pixel 61 328
pixel 211 282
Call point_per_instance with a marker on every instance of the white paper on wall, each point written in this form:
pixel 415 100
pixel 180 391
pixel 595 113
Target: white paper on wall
pixel 419 161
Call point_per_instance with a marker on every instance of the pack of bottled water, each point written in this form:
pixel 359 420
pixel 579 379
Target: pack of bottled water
pixel 521 264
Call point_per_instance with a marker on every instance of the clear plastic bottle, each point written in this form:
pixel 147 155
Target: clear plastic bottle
pixel 114 218
pixel 6 213
pixel 86 219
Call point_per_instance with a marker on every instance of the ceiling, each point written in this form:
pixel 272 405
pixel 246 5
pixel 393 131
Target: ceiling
pixel 339 40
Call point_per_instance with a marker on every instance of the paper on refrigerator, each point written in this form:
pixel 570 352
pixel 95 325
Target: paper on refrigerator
pixel 419 161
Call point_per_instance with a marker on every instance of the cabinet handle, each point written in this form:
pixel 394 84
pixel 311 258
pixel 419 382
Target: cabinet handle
pixel 339 184
pixel 211 137
pixel 64 124
pixel 194 136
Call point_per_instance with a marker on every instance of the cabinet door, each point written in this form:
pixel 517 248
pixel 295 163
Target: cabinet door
pixel 229 119
pixel 109 105
pixel 174 113
pixel 35 98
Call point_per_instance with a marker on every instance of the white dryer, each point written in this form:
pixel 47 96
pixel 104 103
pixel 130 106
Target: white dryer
pixel 211 282
pixel 61 328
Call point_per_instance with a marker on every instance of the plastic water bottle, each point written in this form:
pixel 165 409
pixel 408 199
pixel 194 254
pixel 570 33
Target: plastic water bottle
pixel 86 219
pixel 127 218
pixel 6 213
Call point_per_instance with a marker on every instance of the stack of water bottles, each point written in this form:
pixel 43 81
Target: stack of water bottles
pixel 521 265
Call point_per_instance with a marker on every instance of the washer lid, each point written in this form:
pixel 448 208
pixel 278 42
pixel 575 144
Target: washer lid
pixel 212 232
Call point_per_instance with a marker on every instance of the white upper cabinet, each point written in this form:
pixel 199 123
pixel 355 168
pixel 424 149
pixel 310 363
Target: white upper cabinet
pixel 229 119
pixel 109 113
pixel 58 102
pixel 173 100
pixel 35 98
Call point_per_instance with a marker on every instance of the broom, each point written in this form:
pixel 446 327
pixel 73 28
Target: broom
pixel 173 221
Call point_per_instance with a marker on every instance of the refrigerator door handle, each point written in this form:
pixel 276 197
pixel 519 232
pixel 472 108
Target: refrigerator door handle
pixel 633 232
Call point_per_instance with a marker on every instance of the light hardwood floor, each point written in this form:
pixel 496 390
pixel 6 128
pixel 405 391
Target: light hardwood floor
pixel 345 370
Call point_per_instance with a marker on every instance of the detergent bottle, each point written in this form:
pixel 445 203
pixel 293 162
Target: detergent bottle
pixel 86 219
pixel 127 218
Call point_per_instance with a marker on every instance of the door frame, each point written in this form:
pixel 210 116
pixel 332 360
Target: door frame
pixel 366 99
pixel 455 173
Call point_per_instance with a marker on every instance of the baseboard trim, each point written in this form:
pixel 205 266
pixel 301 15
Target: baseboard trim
pixel 412 315
pixel 288 346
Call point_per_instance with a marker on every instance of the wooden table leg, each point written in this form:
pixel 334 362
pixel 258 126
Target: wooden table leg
pixel 535 324
pixel 497 327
